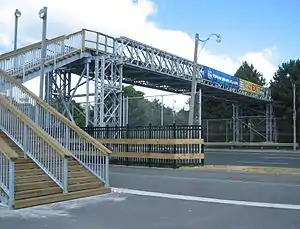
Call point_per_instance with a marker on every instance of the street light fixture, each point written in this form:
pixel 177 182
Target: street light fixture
pixel 194 84
pixel 43 16
pixel 17 15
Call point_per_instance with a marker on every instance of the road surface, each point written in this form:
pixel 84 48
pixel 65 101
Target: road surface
pixel 248 158
pixel 167 198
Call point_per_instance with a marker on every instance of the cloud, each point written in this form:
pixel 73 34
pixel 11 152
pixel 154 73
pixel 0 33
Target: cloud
pixel 116 18
pixel 262 60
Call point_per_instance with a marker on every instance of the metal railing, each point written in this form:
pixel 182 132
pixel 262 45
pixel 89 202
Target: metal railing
pixel 7 169
pixel 28 58
pixel 35 143
pixel 87 150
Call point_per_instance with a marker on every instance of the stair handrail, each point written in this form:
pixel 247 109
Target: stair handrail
pixel 58 174
pixel 7 175
pixel 19 62
pixel 7 166
pixel 40 132
pixel 54 112
pixel 29 48
pixel 7 151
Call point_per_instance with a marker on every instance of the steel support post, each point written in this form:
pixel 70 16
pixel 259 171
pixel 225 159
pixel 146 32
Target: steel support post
pixel 123 110
pixel 96 96
pixel 87 98
pixel 200 111
pixel 108 92
pixel 236 123
pixel 162 111
pixel 267 123
pixel 233 124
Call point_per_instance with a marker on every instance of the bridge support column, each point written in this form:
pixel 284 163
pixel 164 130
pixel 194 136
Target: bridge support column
pixel 200 111
pixel 269 122
pixel 87 91
pixel 235 123
pixel 108 91
pixel 59 93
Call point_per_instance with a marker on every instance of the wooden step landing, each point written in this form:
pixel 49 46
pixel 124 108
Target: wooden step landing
pixel 60 197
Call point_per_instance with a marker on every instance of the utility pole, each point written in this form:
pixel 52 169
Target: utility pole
pixel 194 82
pixel 194 73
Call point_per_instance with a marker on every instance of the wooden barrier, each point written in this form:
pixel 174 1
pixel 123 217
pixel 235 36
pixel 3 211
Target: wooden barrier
pixel 151 152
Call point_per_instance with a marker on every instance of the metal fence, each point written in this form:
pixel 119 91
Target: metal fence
pixel 168 132
pixel 250 130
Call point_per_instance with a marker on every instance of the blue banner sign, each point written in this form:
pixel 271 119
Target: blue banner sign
pixel 220 78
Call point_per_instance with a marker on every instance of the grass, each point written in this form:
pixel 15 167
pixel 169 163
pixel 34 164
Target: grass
pixel 248 169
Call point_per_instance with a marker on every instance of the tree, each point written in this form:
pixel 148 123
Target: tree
pixel 282 94
pixel 247 72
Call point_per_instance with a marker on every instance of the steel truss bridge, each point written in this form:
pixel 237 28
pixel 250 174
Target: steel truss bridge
pixel 103 63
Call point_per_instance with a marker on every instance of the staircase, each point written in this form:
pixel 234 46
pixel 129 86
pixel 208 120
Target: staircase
pixel 34 187
pixel 44 157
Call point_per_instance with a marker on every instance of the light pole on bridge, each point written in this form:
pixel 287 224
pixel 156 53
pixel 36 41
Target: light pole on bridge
pixel 194 74
pixel 17 15
pixel 43 16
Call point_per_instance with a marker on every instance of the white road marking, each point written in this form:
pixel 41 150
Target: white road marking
pixel 207 200
pixel 286 158
pixel 263 162
pixel 241 153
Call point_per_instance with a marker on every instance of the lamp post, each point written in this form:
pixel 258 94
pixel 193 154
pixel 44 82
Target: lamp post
pixel 194 83
pixel 43 16
pixel 17 15
pixel 294 117
pixel 294 114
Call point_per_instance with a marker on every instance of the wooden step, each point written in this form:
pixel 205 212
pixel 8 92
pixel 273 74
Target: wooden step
pixel 74 168
pixel 78 187
pixel 26 166
pixel 59 197
pixel 82 180
pixel 80 173
pixel 23 160
pixel 29 172
pixel 37 193
pixel 34 185
pixel 30 179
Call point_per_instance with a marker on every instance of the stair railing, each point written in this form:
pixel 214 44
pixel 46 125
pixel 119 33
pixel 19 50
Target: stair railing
pixel 87 150
pixel 22 60
pixel 7 174
pixel 45 151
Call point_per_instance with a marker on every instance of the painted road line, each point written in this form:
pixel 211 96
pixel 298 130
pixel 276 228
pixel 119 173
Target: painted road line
pixel 285 158
pixel 262 162
pixel 207 200
pixel 254 153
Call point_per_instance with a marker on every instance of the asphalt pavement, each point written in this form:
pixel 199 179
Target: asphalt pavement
pixel 151 198
pixel 253 158
pixel 210 184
